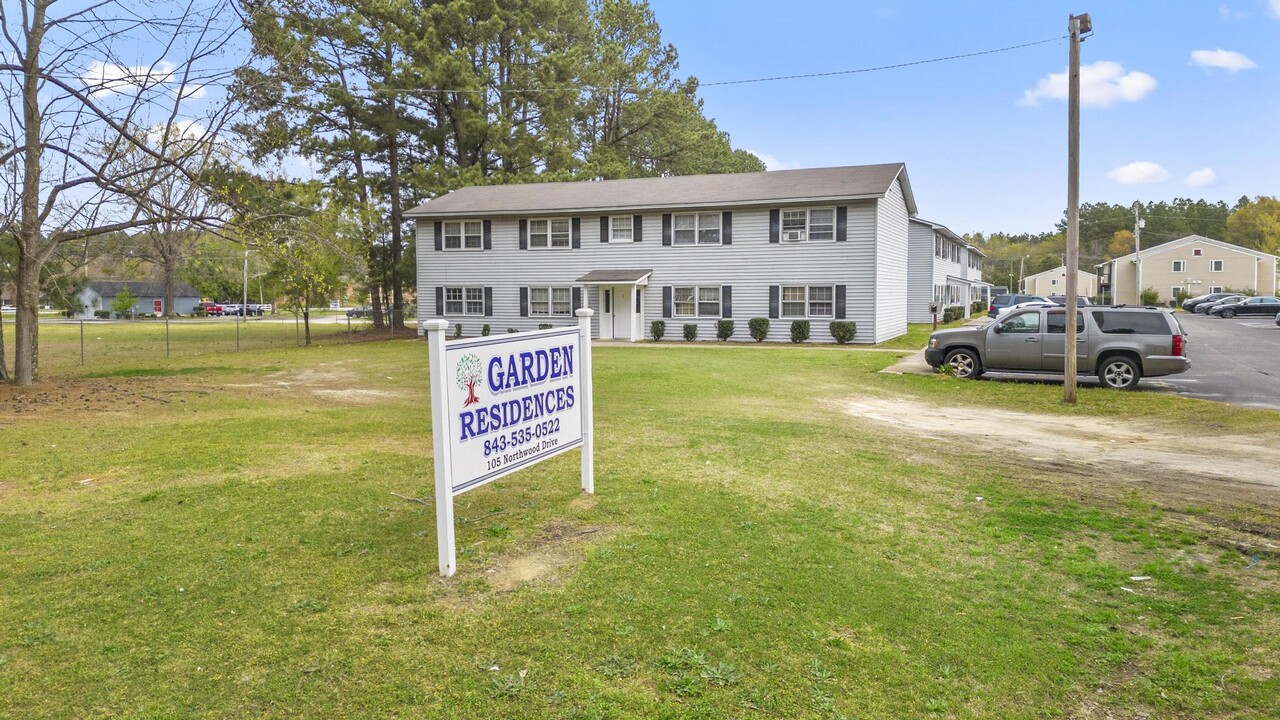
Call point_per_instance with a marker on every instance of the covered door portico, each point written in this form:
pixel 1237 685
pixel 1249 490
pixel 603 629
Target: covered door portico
pixel 620 297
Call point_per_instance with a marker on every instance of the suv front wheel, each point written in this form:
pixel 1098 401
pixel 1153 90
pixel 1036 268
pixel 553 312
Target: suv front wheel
pixel 964 364
pixel 1119 373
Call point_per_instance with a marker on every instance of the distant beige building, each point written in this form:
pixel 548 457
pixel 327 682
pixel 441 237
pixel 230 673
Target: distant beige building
pixel 1193 265
pixel 1054 282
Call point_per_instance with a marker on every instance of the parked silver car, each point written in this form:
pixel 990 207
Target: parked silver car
pixel 1119 344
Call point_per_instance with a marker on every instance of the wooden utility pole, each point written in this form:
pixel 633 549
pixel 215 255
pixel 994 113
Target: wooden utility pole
pixel 1078 25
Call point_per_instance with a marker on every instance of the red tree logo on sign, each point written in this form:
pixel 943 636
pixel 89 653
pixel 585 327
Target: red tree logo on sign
pixel 469 373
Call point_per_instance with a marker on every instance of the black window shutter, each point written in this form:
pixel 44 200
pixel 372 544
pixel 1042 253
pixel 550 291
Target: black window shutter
pixel 775 301
pixel 488 298
pixel 576 300
pixel 840 293
pixel 440 301
pixel 726 300
pixel 666 300
pixel 439 236
pixel 637 227
pixel 524 297
pixel 775 226
pixel 637 300
pixel 842 223
pixel 604 228
pixel 524 234
pixel 666 230
pixel 726 227
pixel 488 234
pixel 577 233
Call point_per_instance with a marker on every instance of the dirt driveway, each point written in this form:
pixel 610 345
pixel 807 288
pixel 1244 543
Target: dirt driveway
pixel 1179 471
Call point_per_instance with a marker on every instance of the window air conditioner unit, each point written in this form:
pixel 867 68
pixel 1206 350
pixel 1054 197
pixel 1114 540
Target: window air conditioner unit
pixel 793 236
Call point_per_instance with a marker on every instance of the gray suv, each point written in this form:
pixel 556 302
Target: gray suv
pixel 1118 344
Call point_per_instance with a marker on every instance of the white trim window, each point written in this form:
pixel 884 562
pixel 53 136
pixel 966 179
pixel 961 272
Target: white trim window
pixel 1216 265
pixel 552 233
pixel 464 301
pixel 1215 289
pixel 1175 292
pixel 1179 266
pixel 695 229
pixel 811 224
pixel 621 229
pixel 464 235
pixel 808 301
pixel 550 301
pixel 695 301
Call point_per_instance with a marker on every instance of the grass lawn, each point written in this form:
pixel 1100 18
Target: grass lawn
pixel 216 536
pixel 918 335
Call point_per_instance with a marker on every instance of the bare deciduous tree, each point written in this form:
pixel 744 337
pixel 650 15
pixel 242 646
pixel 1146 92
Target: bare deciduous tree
pixel 74 86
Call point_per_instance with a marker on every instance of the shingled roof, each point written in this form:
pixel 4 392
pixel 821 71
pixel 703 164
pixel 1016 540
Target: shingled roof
pixel 111 288
pixel 681 191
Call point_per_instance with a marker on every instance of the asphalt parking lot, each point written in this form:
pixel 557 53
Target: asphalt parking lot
pixel 1235 361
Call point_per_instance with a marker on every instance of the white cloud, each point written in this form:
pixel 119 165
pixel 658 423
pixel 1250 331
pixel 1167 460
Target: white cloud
pixel 1273 7
pixel 1228 60
pixel 105 79
pixel 1231 13
pixel 1202 178
pixel 1139 173
pixel 771 162
pixel 1101 83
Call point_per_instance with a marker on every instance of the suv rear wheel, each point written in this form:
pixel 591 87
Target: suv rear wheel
pixel 1119 373
pixel 964 364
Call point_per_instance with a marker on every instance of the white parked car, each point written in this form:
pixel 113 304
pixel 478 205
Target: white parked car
pixel 1033 304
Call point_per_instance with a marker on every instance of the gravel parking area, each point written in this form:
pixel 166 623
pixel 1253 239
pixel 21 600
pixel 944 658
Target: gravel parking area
pixel 1235 361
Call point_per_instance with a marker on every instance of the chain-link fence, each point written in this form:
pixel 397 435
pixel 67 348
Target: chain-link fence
pixel 93 345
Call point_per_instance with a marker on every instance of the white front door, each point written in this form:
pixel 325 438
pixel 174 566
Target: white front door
pixel 616 312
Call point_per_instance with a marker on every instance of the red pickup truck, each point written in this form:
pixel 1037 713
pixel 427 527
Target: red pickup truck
pixel 213 309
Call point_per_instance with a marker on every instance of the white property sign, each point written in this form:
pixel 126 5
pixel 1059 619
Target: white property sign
pixel 499 404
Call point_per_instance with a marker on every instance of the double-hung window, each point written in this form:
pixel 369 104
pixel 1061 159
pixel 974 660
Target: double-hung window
pixel 620 229
pixel 1215 266
pixel 809 224
pixel 550 301
pixel 464 235
pixel 553 233
pixel 695 301
pixel 695 229
pixel 464 301
pixel 800 301
pixel 1179 266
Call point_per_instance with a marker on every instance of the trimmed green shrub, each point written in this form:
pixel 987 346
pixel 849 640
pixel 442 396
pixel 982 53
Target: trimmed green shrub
pixel 843 331
pixel 512 331
pixel 200 312
pixel 799 331
pixel 724 329
pixel 484 331
pixel 952 314
pixel 657 329
pixel 977 308
pixel 457 330
pixel 544 326
pixel 102 314
pixel 690 332
pixel 759 328
pixel 1150 296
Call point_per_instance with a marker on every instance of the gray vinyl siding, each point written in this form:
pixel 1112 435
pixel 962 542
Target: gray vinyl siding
pixel 920 277
pixel 891 265
pixel 751 264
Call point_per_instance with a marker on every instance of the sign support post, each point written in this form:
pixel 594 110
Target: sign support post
pixel 445 538
pixel 588 402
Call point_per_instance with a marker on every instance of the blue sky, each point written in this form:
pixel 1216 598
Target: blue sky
pixel 983 155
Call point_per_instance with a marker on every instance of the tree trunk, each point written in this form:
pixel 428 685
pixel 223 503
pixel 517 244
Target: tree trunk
pixel 27 320
pixel 306 318
pixel 170 284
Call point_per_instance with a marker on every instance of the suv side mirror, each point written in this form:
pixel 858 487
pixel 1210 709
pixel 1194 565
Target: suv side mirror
pixel 997 328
